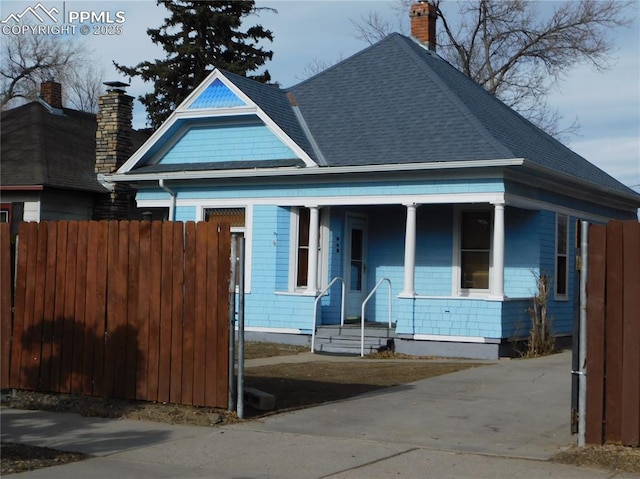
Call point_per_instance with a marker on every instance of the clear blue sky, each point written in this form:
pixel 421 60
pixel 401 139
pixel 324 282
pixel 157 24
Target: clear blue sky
pixel 606 105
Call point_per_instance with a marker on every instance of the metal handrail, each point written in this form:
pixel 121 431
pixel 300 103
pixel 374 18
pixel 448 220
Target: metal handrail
pixel 315 309
pixel 364 303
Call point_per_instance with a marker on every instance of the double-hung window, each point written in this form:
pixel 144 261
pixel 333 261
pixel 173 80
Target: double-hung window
pixel 562 247
pixel 300 250
pixel 475 249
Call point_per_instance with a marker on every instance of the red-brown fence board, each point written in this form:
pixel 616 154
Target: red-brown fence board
pixel 166 288
pixel 190 301
pixel 613 359
pixel 143 310
pixel 119 309
pixel 18 317
pixel 38 305
pixel 631 336
pixel 49 306
pixel 596 331
pixel 90 308
pixel 29 379
pixel 6 301
pixel 68 322
pixel 79 309
pixel 133 323
pixel 177 274
pixel 154 311
pixel 58 312
pixel 613 329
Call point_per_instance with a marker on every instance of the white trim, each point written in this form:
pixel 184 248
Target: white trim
pixel 323 252
pixel 295 171
pixel 532 204
pixel 454 339
pixel 272 330
pixel 183 112
pixel 364 200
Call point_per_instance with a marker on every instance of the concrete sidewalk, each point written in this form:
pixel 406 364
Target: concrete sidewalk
pixel 501 420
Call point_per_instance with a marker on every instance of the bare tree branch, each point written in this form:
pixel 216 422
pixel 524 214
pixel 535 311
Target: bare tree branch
pixel 518 51
pixel 28 60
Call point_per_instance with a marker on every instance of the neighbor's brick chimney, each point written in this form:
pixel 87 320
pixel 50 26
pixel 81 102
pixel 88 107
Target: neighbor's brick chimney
pixel 51 93
pixel 113 147
pixel 423 23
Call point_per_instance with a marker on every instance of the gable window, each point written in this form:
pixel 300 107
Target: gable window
pixel 475 249
pixel 562 247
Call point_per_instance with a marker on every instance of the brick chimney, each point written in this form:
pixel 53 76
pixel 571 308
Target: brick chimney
pixel 113 147
pixel 51 93
pixel 423 23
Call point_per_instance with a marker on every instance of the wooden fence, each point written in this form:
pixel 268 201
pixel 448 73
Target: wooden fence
pixel 128 309
pixel 613 334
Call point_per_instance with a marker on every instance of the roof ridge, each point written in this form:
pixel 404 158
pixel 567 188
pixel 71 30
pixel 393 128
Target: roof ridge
pixel 464 109
pixel 337 64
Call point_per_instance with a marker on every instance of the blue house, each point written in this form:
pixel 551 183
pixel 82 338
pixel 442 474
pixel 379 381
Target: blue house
pixel 389 169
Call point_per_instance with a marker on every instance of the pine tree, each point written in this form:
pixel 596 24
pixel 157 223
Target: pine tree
pixel 198 37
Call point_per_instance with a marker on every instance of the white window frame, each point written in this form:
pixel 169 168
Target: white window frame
pixel 247 230
pixel 564 296
pixel 323 248
pixel 456 289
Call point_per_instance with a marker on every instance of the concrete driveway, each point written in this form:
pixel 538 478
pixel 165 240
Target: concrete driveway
pixel 495 421
pixel 514 408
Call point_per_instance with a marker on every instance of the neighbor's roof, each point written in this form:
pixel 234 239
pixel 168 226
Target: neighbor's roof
pixel 41 148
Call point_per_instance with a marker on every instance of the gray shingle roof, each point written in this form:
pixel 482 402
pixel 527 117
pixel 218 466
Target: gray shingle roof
pixel 41 148
pixel 396 102
pixel 274 102
pixel 51 150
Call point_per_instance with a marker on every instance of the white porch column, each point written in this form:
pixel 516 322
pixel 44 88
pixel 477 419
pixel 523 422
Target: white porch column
pixel 314 239
pixel 497 285
pixel 410 252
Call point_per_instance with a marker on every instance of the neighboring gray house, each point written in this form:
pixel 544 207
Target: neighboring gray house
pixel 48 160
pixel 390 168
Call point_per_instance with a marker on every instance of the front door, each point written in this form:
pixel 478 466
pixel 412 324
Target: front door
pixel 355 264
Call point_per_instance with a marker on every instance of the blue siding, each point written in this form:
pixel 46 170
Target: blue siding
pixel 450 317
pixel 225 143
pixel 530 249
pixel 216 95
pixel 283 242
pixel 522 252
pixel 185 213
pixel 324 190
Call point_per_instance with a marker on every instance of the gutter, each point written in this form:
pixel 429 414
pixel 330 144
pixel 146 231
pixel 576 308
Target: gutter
pixel 297 171
pixel 172 204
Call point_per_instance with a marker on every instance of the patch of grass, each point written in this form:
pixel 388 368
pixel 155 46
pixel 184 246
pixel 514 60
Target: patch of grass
pixel 15 458
pixel 611 457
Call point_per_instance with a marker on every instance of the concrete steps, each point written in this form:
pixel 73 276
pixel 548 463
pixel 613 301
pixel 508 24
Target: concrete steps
pixel 346 339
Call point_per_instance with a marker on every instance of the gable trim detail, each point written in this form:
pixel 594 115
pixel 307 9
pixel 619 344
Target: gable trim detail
pixel 184 114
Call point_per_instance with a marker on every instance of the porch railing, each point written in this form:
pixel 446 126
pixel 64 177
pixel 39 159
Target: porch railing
pixel 364 304
pixel 315 309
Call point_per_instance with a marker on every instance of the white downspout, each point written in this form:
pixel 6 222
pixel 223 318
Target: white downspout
pixel 172 204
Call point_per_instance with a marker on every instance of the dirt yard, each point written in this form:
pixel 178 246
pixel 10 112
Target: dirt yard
pixel 295 385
